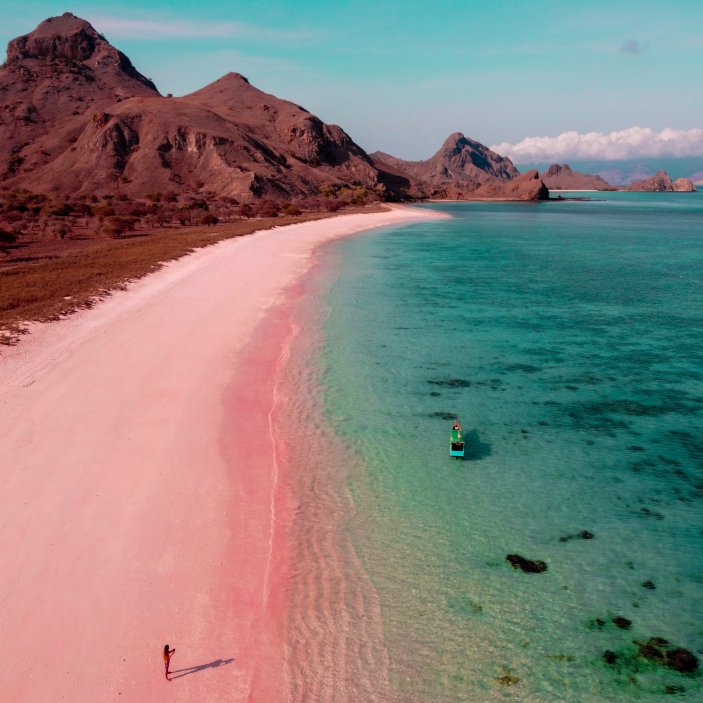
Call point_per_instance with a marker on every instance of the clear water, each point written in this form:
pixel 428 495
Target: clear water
pixel 568 339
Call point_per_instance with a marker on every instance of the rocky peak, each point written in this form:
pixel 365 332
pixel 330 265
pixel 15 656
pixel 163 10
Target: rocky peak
pixel 71 40
pixel 466 157
pixel 65 37
pixel 455 142
pixel 558 170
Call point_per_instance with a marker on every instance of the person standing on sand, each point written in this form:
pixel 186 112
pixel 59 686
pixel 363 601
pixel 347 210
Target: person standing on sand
pixel 167 654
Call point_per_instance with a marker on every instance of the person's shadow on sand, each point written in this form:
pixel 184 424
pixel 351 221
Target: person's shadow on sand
pixel 177 673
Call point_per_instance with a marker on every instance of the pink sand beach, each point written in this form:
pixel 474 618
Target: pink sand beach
pixel 144 496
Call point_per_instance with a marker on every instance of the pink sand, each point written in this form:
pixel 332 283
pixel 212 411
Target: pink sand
pixel 138 483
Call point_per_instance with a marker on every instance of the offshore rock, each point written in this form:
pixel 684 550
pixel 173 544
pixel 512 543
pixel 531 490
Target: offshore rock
pixel 661 183
pixel 684 185
pixel 562 177
pixel 529 186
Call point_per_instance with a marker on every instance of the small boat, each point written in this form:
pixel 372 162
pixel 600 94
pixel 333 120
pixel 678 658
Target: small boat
pixel 456 441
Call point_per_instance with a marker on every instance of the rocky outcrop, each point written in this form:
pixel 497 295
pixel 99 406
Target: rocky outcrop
pixel 528 186
pixel 684 185
pixel 562 177
pixel 661 183
pixel 458 170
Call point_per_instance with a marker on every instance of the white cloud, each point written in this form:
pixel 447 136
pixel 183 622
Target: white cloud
pixel 130 28
pixel 632 143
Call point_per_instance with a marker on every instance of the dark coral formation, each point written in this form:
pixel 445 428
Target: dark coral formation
pixel 659 651
pixel 528 566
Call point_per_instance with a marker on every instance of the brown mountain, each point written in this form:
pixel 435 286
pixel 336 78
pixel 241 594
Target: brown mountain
pixel 662 183
pixel 462 168
pixel 54 81
pixel 79 118
pixel 562 177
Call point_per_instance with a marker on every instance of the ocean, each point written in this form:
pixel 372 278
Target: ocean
pixel 567 337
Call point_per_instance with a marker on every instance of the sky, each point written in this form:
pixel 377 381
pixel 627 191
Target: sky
pixel 539 81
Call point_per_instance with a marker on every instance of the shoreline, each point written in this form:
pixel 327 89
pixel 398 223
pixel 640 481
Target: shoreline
pixel 124 520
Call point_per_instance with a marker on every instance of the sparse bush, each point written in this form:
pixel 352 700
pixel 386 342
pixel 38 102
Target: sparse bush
pixel 267 208
pixel 62 210
pixel 290 209
pixel 7 238
pixel 116 226
pixel 14 163
pixel 209 219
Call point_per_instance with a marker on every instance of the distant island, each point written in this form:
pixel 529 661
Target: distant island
pixel 661 183
pixel 562 177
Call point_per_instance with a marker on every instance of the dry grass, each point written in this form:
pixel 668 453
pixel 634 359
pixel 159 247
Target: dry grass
pixel 47 280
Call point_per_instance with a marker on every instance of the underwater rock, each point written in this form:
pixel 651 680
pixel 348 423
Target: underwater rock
pixel 648 512
pixel 529 566
pixel 622 623
pixel 680 659
pixel 584 534
pixel 507 680
pixel 648 584
pixel 657 650
pixel 451 383
pixel 672 690
pixel 609 657
pixel 443 415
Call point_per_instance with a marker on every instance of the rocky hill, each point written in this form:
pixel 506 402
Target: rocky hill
pixel 462 168
pixel 79 118
pixel 661 183
pixel 562 177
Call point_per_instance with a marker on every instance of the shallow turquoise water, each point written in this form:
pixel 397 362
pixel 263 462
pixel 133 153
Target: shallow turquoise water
pixel 568 338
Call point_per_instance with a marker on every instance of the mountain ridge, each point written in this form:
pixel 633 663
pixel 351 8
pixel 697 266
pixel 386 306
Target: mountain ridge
pixel 80 119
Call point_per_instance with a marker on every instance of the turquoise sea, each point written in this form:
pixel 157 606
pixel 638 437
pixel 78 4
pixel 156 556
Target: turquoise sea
pixel 567 337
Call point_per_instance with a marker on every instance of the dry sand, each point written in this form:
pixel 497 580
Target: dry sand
pixel 138 496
